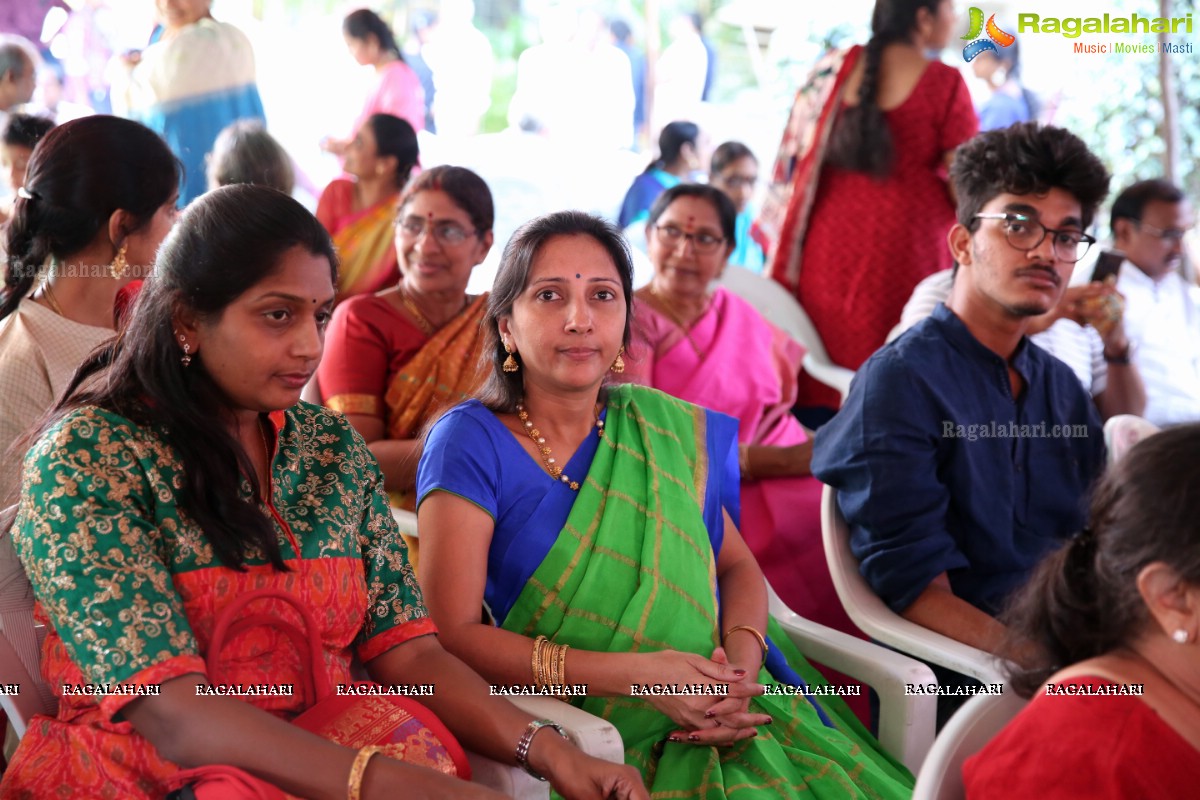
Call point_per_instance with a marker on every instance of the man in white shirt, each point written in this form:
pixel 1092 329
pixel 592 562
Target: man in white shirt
pixel 1162 310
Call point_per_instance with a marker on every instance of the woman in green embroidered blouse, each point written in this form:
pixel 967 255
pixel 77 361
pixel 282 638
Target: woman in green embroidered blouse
pixel 136 531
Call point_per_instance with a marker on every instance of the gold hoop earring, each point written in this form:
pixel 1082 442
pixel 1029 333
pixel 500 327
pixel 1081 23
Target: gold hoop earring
pixel 618 365
pixel 510 363
pixel 119 266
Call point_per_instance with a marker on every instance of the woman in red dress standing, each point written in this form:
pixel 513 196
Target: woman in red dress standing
pixel 860 204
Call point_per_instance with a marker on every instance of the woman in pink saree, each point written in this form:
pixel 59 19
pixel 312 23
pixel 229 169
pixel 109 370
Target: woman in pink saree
pixel 710 347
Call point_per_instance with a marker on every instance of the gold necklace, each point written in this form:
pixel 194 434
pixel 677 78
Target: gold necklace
pixel 540 442
pixel 422 321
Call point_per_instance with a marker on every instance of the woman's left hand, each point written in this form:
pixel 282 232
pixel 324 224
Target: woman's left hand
pixel 732 715
pixel 577 776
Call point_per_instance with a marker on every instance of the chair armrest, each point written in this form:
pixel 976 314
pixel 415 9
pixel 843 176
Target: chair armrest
pixel 879 622
pixel 406 521
pixel 828 373
pixel 19 707
pixel 907 722
pixel 592 735
pixel 508 780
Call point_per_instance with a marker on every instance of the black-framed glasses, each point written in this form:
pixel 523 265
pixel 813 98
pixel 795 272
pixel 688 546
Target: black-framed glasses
pixel 446 233
pixel 703 242
pixel 1025 233
pixel 1172 235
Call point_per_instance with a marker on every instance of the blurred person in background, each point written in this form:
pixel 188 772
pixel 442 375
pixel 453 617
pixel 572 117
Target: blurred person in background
pixel 49 98
pixel 681 74
pixel 359 212
pixel 19 62
pixel 575 87
pixel 734 170
pixel 622 36
pixel 18 137
pixel 397 89
pixel 424 23
pixel 860 205
pixel 196 76
pixel 245 153
pixel 461 60
pixel 678 157
pixel 1008 101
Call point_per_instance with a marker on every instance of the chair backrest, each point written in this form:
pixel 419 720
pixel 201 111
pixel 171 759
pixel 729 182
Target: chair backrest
pixel 1124 431
pixel 20 639
pixel 777 304
pixel 779 308
pixel 971 727
pixel 878 621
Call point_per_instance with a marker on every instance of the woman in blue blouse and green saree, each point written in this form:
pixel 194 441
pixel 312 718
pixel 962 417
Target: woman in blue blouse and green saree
pixel 597 524
pixel 189 477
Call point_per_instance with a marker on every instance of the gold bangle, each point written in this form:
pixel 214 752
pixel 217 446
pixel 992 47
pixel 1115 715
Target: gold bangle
pixel 535 660
pixel 541 670
pixel 762 641
pixel 562 664
pixel 357 770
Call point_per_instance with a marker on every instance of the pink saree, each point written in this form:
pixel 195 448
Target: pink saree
pixel 734 361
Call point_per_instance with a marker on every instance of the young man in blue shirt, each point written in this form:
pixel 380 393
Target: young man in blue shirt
pixel 964 453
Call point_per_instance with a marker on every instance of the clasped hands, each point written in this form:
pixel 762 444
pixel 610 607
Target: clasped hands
pixel 705 719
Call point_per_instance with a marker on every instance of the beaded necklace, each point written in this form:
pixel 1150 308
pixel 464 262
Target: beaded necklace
pixel 540 442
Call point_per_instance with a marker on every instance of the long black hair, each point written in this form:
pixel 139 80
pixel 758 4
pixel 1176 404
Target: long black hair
pixel 502 390
pixel 363 23
pixel 79 174
pixel 226 242
pixel 671 140
pixel 1083 600
pixel 861 139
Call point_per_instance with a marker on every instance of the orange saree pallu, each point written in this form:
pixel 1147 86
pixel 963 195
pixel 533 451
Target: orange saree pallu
pixel 445 371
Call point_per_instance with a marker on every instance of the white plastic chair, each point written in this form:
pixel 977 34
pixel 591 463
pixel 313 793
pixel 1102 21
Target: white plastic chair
pixel 881 623
pixel 1124 431
pixel 971 727
pixel 780 308
pixel 906 722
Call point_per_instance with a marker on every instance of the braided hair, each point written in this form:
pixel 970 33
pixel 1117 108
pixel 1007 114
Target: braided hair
pixel 861 139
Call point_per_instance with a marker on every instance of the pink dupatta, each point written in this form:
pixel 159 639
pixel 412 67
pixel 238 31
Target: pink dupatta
pixel 732 360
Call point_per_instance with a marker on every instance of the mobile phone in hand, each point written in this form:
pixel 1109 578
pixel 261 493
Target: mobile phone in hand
pixel 1108 264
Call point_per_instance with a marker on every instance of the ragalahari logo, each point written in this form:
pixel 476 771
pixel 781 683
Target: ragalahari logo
pixel 995 36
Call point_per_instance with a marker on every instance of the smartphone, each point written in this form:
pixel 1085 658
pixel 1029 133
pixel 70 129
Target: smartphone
pixel 1108 264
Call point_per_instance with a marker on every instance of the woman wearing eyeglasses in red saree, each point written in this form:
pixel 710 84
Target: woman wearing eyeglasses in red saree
pixel 398 357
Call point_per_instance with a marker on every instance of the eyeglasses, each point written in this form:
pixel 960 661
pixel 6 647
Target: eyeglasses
pixel 703 242
pixel 1172 235
pixel 446 233
pixel 1025 233
pixel 738 181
